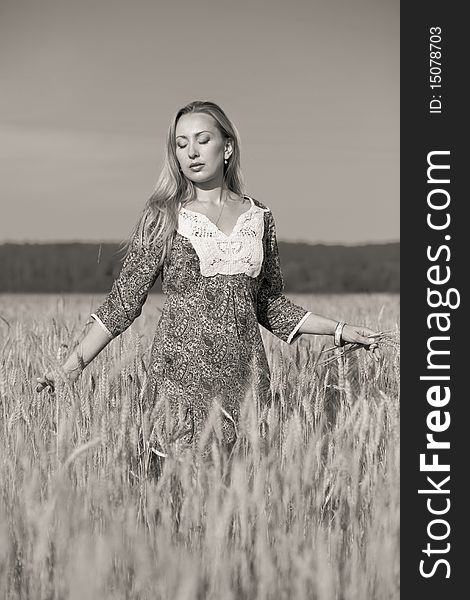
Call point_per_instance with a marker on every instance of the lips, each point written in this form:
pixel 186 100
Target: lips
pixel 196 165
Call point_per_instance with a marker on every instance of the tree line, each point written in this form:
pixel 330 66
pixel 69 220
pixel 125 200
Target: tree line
pixel 92 267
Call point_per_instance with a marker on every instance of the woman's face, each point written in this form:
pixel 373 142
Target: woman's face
pixel 198 140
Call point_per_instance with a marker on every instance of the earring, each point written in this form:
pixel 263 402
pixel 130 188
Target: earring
pixel 226 160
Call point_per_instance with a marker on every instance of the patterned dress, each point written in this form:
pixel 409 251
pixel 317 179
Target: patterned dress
pixel 207 350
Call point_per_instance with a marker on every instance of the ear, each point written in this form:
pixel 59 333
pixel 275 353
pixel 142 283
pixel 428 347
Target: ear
pixel 228 148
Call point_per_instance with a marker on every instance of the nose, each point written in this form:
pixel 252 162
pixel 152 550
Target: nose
pixel 192 151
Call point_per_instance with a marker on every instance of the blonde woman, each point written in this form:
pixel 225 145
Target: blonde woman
pixel 216 250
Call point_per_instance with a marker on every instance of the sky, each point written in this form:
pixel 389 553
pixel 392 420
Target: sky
pixel 89 89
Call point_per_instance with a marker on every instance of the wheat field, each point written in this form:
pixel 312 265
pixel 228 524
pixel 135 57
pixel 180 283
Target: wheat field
pixel 311 514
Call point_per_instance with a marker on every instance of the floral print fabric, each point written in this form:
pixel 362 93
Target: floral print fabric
pixel 207 349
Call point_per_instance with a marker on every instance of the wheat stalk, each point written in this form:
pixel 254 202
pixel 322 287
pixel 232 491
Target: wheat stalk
pixel 383 339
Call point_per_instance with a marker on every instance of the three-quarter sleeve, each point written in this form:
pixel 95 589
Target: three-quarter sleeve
pixel 275 312
pixel 129 291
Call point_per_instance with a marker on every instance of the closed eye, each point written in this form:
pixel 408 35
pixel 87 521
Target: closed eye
pixel 201 142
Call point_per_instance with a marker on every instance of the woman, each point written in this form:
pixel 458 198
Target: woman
pixel 217 253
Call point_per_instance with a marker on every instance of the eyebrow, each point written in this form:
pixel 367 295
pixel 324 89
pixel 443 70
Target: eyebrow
pixel 203 131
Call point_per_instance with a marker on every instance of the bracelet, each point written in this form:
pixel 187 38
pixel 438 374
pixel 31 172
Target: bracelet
pixel 338 333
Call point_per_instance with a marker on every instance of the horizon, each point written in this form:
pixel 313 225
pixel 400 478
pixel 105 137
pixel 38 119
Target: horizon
pixel 298 242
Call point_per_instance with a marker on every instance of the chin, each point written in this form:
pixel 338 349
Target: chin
pixel 195 178
pixel 199 177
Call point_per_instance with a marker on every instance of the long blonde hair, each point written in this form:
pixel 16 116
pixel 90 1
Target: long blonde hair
pixel 159 217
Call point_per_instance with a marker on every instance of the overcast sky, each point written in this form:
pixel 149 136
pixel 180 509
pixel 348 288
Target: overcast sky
pixel 89 88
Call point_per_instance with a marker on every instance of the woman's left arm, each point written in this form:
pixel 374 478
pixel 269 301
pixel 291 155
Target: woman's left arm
pixel 288 320
pixel 275 311
pixel 356 334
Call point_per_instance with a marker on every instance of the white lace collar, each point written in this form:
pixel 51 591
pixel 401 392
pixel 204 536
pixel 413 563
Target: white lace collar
pixel 219 253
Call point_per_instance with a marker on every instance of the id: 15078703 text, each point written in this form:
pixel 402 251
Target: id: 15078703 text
pixel 435 70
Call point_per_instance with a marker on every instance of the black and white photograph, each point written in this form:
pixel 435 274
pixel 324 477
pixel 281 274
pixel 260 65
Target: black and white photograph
pixel 200 300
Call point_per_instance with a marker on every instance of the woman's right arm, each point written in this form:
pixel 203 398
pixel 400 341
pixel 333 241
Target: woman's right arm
pixel 87 349
pixel 121 307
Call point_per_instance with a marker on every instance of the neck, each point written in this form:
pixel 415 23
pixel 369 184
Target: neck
pixel 215 195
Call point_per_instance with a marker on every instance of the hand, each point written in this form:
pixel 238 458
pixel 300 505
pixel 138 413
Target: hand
pixel 47 381
pixel 363 336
